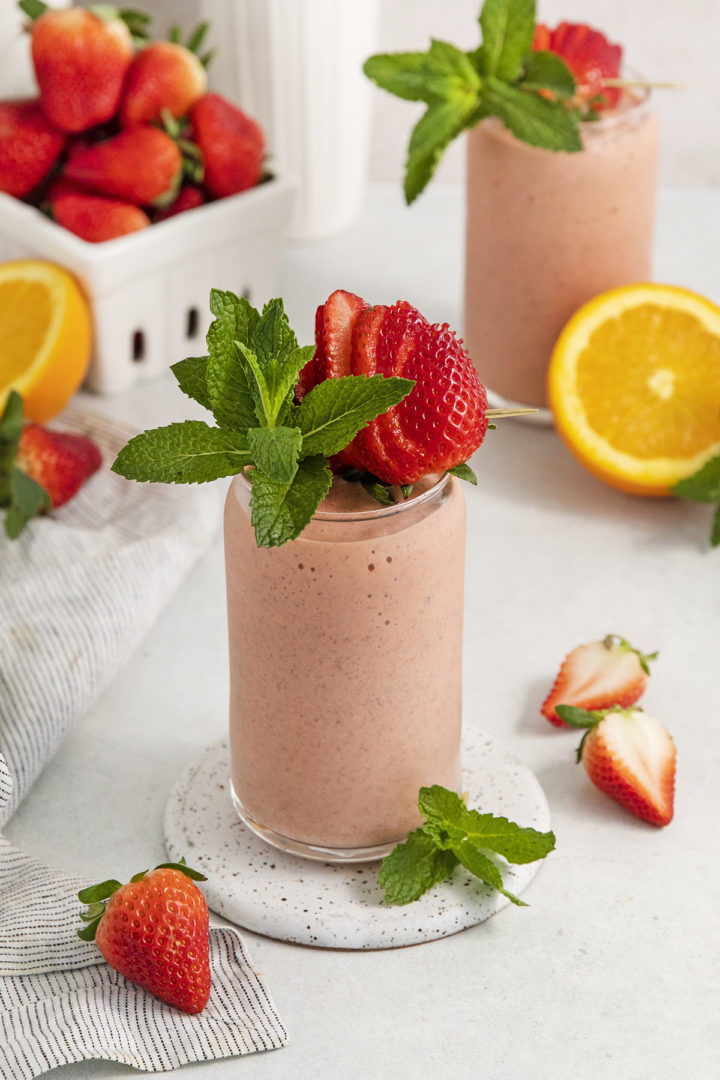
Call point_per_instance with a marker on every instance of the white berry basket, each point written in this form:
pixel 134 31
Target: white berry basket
pixel 149 290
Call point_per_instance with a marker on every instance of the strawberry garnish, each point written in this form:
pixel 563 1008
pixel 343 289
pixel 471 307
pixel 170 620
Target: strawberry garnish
pixel 589 55
pixel 81 58
pixel 93 217
pixel 29 146
pixel 141 166
pixel 630 756
pixel 597 676
pixel 232 145
pixel 155 931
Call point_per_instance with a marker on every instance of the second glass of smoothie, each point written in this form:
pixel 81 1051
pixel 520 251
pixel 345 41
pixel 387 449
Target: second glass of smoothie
pixel 546 231
pixel 346 668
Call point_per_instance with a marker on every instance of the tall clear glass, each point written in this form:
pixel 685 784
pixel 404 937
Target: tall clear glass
pixel 547 231
pixel 345 668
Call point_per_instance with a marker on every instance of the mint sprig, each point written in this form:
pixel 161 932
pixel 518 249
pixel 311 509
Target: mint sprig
pixel 247 382
pixel 528 91
pixel 704 487
pixel 452 835
pixel 21 496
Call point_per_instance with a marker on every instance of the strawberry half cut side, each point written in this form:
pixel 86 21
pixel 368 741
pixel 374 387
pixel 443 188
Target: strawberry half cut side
pixel 598 675
pixel 630 756
pixel 591 57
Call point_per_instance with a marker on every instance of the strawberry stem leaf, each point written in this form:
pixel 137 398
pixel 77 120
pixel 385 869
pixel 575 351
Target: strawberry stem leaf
pixel 578 718
pixel 88 932
pixel 197 37
pixel 94 893
pixel 33 8
pixel 183 868
pixel 464 472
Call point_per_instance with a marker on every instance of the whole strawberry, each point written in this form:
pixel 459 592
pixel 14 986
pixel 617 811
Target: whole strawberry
pixel 165 77
pixel 29 146
pixel 93 217
pixel 598 675
pixel 40 469
pixel 155 931
pixel 232 145
pixel 630 756
pixel 81 58
pixel 141 166
pixel 440 423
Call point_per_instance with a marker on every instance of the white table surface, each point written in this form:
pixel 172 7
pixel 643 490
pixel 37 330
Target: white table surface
pixel 613 969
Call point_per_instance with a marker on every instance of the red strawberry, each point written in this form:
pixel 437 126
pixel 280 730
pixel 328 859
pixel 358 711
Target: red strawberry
pixel 155 931
pixel 142 166
pixel 59 461
pixel 93 217
pixel 29 146
pixel 163 77
pixel 232 145
pixel 188 198
pixel 442 421
pixel 81 59
pixel 631 757
pixel 589 55
pixel 598 675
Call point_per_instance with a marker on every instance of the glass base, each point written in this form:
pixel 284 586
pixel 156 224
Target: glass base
pixel 542 418
pixel 311 851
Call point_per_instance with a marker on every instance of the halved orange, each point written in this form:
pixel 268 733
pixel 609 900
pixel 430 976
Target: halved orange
pixel 45 336
pixel 634 386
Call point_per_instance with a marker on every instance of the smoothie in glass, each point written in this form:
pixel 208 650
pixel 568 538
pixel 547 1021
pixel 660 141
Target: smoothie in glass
pixel 345 667
pixel 546 231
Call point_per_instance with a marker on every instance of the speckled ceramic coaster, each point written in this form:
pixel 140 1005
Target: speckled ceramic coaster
pixel 334 905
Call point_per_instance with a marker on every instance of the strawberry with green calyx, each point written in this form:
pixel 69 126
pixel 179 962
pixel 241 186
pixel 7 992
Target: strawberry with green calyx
pixel 232 145
pixel 591 58
pixel 40 469
pixel 530 92
pixel 29 146
pixel 166 77
pixel 598 675
pixel 188 198
pixel 81 58
pixel 155 931
pixel 142 166
pixel 630 756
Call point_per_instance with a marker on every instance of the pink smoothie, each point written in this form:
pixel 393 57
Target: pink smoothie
pixel 547 231
pixel 345 664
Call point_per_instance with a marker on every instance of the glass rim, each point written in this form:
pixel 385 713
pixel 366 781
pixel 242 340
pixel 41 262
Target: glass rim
pixel 376 512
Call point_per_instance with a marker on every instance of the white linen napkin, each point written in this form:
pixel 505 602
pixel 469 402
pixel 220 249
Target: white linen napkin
pixel 77 594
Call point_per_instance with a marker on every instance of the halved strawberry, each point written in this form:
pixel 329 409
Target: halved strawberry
pixel 597 676
pixel 630 756
pixel 589 55
pixel 334 322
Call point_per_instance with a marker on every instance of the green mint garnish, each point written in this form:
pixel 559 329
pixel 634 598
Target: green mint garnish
pixel 454 834
pixel 21 496
pixel 247 382
pixel 704 487
pixel 503 78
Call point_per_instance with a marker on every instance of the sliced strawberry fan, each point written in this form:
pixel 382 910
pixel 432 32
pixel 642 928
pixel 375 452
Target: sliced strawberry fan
pixel 591 58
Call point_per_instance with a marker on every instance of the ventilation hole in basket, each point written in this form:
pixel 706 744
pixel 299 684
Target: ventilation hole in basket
pixel 138 346
pixel 246 294
pixel 193 322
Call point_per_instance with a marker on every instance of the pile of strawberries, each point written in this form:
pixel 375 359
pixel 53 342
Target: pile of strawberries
pixel 124 132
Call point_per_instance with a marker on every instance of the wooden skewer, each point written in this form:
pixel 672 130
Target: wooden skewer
pixel 623 84
pixel 498 414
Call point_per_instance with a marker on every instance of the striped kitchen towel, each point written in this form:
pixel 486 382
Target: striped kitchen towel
pixel 77 594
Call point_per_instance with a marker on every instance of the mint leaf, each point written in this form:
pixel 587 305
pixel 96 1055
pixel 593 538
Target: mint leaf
pixel 507 27
pixel 703 486
pixel 402 74
pixel 331 415
pixel 483 868
pixel 187 453
pixel 533 119
pixel 27 500
pixel 433 133
pixel 11 421
pixel 281 511
pixel 548 71
pixel 191 375
pixel 414 867
pixel 464 472
pixel 227 384
pixel 276 450
pixel 270 336
pixel 272 382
